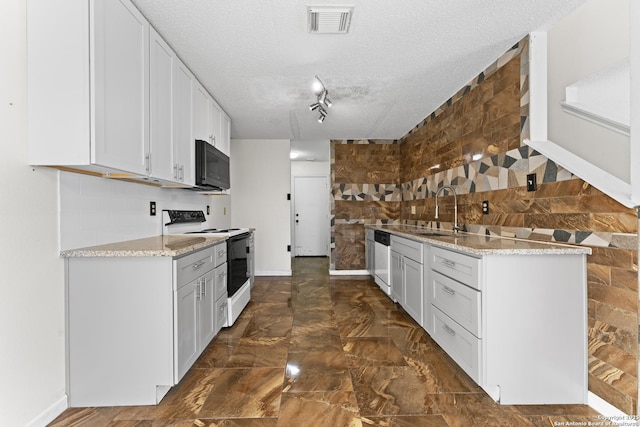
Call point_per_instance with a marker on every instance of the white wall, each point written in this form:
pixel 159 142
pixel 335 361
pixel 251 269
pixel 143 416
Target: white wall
pixel 32 354
pixel 95 210
pixel 590 39
pixel 260 182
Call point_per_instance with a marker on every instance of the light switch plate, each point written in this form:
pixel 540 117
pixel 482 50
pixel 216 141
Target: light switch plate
pixel 413 210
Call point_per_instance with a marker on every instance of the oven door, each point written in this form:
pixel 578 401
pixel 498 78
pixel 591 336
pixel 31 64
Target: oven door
pixel 237 266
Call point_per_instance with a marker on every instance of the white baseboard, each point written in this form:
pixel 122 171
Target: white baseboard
pixel 274 273
pixel 348 273
pixel 605 408
pixel 50 413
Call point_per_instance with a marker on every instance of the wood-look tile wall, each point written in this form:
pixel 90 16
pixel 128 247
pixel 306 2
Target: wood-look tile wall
pixel 487 119
pixel 365 178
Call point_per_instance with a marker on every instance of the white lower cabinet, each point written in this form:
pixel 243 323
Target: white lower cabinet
pixel 137 324
pixel 515 323
pixel 197 303
pixel 407 276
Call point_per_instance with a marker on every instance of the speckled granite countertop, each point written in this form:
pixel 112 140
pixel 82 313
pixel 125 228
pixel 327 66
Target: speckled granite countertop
pixel 477 244
pixel 170 246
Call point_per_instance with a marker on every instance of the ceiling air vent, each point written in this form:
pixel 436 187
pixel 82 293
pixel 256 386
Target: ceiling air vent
pixel 329 19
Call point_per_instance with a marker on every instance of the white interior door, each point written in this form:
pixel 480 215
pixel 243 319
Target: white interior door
pixel 311 215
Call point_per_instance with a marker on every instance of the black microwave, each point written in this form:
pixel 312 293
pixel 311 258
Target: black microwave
pixel 212 167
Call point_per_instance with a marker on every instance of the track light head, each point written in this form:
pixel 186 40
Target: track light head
pixel 322 101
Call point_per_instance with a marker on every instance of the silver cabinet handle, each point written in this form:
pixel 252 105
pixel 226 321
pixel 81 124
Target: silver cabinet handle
pixel 181 169
pixel 220 253
pixel 199 290
pixel 203 288
pixel 223 307
pixel 449 263
pixel 449 330
pixel 448 290
pixel 147 163
pixel 197 265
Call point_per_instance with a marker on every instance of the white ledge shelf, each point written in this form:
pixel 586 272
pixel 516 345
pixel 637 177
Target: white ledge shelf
pixel 612 186
pixel 583 112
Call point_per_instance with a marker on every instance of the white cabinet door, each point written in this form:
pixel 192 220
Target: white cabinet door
pixel 396 277
pixel 186 328
pixel 215 126
pixel 120 122
pixel 201 113
pixel 184 142
pixel 161 66
pixel 413 289
pixel 207 310
pixel 225 134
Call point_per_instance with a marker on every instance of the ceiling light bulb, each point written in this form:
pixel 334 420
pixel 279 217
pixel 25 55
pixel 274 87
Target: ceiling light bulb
pixel 317 85
pixel 327 102
pixel 321 118
pixel 314 106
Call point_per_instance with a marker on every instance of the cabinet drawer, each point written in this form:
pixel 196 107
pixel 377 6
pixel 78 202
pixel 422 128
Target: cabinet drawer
pixel 221 280
pixel 463 268
pixel 409 248
pixel 458 301
pixel 194 265
pixel 459 344
pixel 221 253
pixel 222 308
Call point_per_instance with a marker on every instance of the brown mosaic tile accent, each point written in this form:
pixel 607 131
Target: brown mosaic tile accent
pixel 474 143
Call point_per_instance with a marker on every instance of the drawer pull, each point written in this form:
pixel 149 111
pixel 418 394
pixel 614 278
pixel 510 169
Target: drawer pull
pixel 220 253
pixel 204 288
pixel 449 330
pixel 449 263
pixel 223 307
pixel 197 265
pixel 448 290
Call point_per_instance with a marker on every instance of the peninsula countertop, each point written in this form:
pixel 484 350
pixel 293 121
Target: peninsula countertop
pixel 479 244
pixel 169 246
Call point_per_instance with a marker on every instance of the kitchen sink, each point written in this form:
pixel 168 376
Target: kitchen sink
pixel 431 233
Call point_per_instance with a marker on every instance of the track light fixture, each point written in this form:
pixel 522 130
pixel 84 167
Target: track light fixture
pixel 323 102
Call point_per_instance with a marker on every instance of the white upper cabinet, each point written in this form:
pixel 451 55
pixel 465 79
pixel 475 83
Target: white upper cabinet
pixel 171 153
pixel 184 142
pixel 88 71
pixel 161 80
pixel 201 113
pixel 225 135
pixel 211 123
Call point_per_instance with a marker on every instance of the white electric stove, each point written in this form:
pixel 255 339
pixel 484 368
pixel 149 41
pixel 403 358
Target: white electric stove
pixel 182 222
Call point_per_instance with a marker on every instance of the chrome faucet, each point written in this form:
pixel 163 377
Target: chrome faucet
pixel 456 228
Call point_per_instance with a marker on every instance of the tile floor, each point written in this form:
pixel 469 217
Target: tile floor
pixel 320 350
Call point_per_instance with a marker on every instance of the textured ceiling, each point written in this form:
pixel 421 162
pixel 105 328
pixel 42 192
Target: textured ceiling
pixel 399 61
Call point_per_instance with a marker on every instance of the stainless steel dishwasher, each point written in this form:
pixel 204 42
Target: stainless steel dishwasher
pixel 382 260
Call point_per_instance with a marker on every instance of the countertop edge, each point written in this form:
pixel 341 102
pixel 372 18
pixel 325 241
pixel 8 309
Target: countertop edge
pixel 549 249
pixel 125 248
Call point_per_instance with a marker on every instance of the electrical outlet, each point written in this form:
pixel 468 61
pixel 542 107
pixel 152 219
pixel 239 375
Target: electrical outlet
pixel 485 207
pixel 531 182
pixel 152 208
